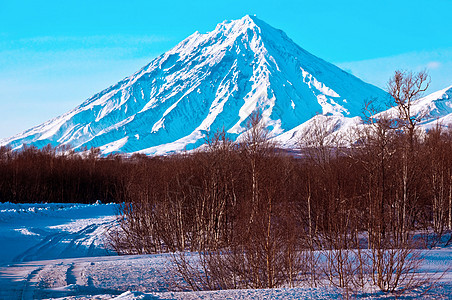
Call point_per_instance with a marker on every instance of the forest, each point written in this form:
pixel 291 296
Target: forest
pixel 262 217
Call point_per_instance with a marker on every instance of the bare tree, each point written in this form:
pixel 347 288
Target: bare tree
pixel 405 88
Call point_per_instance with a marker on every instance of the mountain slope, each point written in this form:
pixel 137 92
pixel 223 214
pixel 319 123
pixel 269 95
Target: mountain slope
pixel 432 109
pixel 208 81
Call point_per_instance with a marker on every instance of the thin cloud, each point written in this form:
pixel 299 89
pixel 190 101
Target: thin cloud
pixel 433 65
pixel 96 39
pixel 377 71
pixel 44 43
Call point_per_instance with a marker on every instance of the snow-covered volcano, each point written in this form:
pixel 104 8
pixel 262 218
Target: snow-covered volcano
pixel 208 81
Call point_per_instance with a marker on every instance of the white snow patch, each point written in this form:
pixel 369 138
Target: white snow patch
pixel 25 231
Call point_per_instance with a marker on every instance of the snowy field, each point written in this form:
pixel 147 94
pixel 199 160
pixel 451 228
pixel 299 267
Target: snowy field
pixel 52 251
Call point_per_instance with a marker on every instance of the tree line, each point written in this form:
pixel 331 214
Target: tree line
pixel 59 175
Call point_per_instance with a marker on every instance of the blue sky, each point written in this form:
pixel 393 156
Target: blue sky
pixel 56 54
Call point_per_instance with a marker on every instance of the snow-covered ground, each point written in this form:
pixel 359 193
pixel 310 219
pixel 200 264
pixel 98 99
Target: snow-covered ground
pixel 49 231
pixel 51 251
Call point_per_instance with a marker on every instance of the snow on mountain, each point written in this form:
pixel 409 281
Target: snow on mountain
pixel 438 107
pixel 433 109
pixel 335 129
pixel 207 82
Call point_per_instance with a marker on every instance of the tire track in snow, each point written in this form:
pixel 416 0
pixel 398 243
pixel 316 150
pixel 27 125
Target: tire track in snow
pixel 66 244
pixel 43 247
pixel 70 276
pixel 30 284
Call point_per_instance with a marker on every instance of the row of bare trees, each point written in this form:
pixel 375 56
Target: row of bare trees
pixel 33 175
pixel 237 204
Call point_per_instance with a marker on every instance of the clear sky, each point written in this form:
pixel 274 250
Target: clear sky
pixel 56 54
